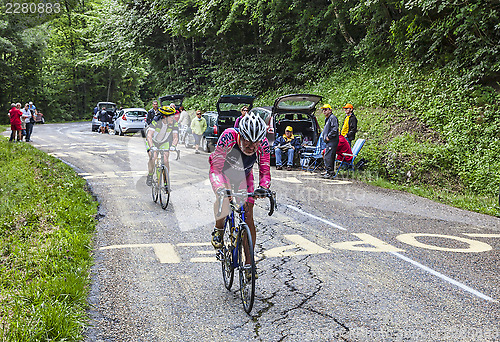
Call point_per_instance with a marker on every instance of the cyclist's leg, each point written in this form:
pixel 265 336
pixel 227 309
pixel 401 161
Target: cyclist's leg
pixel 165 147
pixel 218 232
pixel 151 165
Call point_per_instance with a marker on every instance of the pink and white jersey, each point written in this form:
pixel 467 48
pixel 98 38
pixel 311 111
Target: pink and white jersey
pixel 229 166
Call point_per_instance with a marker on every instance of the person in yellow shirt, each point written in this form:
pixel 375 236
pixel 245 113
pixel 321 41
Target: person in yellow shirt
pixel 350 126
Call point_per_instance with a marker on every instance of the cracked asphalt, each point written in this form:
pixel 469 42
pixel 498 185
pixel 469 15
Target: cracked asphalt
pixel 339 260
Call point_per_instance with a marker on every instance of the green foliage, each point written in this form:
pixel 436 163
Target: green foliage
pixel 46 225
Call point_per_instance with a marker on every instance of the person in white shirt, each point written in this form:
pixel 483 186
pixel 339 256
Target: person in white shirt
pixel 184 123
pixel 29 119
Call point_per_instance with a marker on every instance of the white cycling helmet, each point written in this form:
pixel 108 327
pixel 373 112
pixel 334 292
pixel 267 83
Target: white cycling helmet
pixel 252 127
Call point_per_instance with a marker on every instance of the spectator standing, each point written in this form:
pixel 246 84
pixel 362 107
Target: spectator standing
pixel 244 111
pixel 23 123
pixel 177 113
pixel 104 119
pixel 184 118
pixel 28 117
pixel 350 126
pixel 198 126
pixel 184 122
pixel 331 138
pixel 15 122
pixel 286 144
pixel 152 113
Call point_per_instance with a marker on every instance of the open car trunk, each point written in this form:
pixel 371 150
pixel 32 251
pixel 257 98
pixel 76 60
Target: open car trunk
pixel 168 99
pixel 297 111
pixel 228 109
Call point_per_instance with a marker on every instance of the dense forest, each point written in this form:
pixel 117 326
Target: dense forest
pixel 132 51
pixel 436 60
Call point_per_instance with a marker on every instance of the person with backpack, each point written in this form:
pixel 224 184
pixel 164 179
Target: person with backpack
pixel 104 119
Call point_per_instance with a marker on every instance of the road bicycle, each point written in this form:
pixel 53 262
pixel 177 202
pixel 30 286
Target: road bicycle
pixel 160 184
pixel 237 251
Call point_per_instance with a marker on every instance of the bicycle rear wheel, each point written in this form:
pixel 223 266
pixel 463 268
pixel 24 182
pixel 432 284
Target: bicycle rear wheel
pixel 246 266
pixel 227 261
pixel 164 187
pixel 154 186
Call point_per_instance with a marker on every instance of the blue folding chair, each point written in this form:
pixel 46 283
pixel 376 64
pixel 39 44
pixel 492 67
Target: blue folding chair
pixel 311 157
pixel 355 151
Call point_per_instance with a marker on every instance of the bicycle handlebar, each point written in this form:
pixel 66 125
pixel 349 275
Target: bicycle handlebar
pixel 267 193
pixel 173 149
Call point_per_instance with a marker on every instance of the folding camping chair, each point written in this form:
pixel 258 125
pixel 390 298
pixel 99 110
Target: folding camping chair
pixel 311 157
pixel 355 151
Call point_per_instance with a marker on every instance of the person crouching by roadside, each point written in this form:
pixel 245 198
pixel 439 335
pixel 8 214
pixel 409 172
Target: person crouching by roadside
pixel 15 122
pixel 198 126
pixel 286 144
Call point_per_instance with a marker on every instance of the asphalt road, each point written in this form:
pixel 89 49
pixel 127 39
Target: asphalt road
pixel 339 260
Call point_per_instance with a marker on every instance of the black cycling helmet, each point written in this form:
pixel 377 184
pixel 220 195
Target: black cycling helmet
pixel 166 110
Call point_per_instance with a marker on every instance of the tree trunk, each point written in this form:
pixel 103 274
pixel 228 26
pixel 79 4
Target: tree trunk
pixel 343 30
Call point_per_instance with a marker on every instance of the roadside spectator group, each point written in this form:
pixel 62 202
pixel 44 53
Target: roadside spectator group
pixel 337 138
pixel 22 121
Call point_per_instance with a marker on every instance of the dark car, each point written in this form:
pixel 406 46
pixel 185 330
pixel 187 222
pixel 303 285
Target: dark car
pixel 210 136
pixel 110 109
pixel 168 99
pixel 229 109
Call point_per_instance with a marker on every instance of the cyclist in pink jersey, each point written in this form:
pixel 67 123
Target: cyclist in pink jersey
pixel 231 166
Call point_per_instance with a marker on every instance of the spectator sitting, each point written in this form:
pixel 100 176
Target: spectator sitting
pixel 343 147
pixel 286 144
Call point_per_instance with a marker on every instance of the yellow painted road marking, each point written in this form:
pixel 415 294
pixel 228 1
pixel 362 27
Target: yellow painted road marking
pixel 165 252
pixel 367 243
pixel 299 242
pixel 474 245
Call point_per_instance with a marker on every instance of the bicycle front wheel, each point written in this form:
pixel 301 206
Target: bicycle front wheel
pixel 164 187
pixel 246 266
pixel 227 261
pixel 154 186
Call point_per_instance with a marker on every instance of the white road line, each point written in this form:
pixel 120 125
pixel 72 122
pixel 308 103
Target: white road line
pixel 442 276
pixel 413 262
pixel 315 217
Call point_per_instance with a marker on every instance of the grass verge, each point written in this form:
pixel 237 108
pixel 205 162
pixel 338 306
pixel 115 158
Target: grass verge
pixel 46 226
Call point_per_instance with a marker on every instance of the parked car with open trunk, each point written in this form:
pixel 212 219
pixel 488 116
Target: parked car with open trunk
pixel 229 109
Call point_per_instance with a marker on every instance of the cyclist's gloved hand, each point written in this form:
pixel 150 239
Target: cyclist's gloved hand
pixel 172 148
pixel 261 192
pixel 153 149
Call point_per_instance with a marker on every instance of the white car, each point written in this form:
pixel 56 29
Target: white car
pixel 131 120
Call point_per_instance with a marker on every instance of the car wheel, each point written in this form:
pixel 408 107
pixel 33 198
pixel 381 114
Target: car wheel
pixel 143 133
pixel 120 130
